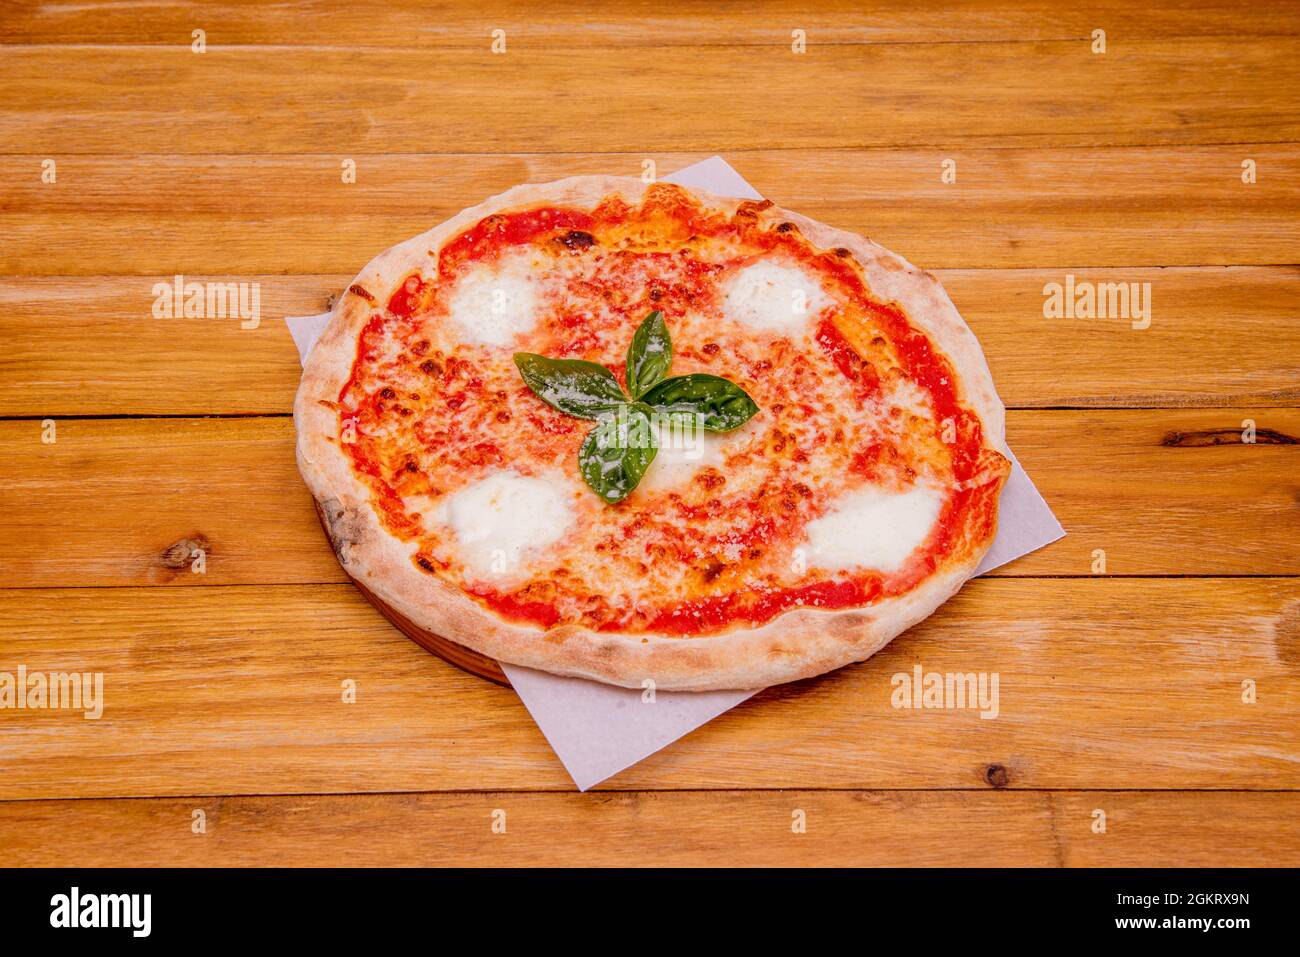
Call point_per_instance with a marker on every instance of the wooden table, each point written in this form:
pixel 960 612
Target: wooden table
pixel 1121 689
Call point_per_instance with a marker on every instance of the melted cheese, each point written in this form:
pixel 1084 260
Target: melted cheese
pixel 874 528
pixel 774 298
pixel 498 520
pixel 909 397
pixel 683 451
pixel 693 543
pixel 494 304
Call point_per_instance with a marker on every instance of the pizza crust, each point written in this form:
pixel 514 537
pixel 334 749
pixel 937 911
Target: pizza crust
pixel 799 643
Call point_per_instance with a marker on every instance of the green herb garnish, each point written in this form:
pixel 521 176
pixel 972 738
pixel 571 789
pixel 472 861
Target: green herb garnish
pixel 618 451
pixel 649 355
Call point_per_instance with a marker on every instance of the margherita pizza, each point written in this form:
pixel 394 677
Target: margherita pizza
pixel 635 432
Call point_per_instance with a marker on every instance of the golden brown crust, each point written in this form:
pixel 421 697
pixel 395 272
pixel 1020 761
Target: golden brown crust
pixel 797 644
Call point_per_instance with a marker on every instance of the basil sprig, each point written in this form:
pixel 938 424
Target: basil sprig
pixel 649 355
pixel 613 459
pixel 586 390
pixel 617 452
pixel 720 404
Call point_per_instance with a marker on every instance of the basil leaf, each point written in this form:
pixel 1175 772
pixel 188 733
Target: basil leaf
pixel 616 453
pixel 574 386
pixel 720 404
pixel 649 355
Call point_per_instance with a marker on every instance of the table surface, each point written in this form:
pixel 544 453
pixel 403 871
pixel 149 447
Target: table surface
pixel 1125 652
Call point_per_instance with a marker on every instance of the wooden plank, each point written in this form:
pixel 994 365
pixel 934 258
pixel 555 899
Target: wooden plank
pixel 1010 208
pixel 133 501
pixel 90 346
pixel 411 23
pixel 127 502
pixel 1108 683
pixel 59 100
pixel 93 347
pixel 1217 337
pixel 1164 492
pixel 740 829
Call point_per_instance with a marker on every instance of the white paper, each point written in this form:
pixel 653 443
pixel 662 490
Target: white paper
pixel 598 730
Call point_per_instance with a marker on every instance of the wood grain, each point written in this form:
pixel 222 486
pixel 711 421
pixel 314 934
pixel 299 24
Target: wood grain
pixel 1106 683
pixel 90 346
pixel 1116 693
pixel 394 24
pixel 60 100
pixel 126 502
pixel 732 829
pixel 1011 207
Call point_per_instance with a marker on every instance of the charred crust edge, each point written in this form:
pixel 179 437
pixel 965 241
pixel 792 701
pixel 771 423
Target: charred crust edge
pixel 344 527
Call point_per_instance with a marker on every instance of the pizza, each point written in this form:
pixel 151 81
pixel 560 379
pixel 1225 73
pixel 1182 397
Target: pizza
pixel 633 432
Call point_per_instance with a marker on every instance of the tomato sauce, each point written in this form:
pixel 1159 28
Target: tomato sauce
pixel 967 511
